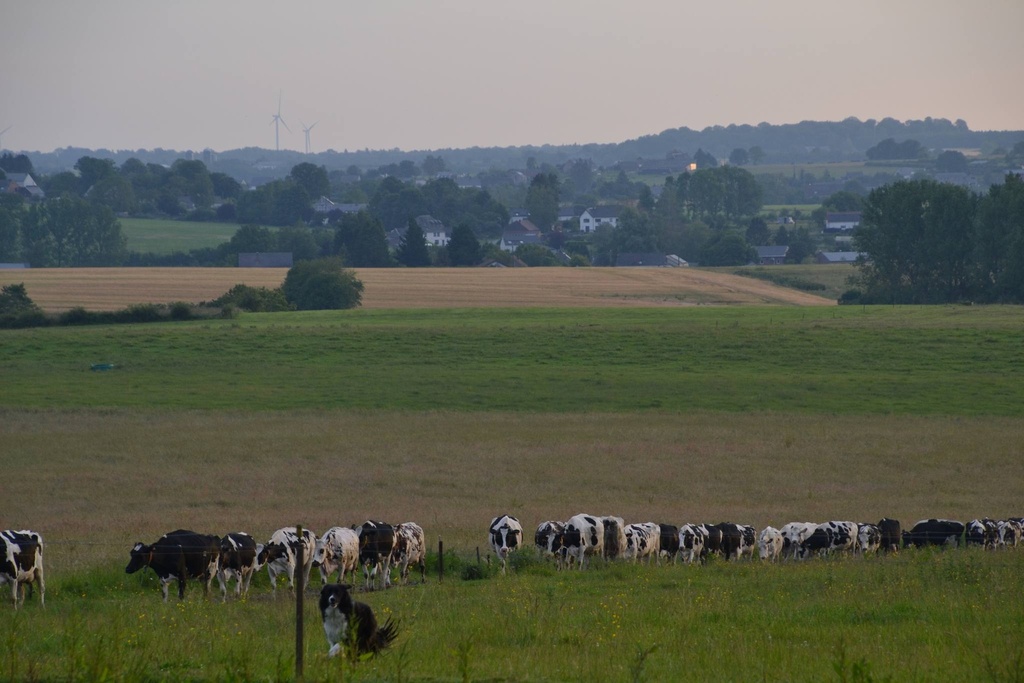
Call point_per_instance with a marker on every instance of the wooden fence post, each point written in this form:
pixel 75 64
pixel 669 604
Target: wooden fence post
pixel 299 590
pixel 440 560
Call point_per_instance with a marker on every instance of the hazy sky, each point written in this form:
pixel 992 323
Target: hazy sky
pixel 431 74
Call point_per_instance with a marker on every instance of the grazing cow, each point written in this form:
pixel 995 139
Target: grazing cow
pixel 642 541
pixel 983 532
pixel 614 537
pixel 376 545
pixel 691 542
pixel 337 551
pixel 178 556
pixel 869 538
pixel 669 543
pixel 238 560
pixel 712 541
pixel 506 535
pixel 280 554
pixel 1010 532
pixel 410 548
pixel 891 532
pixel 737 539
pixel 583 537
pixel 352 624
pixel 830 536
pixel 21 553
pixel 934 532
pixel 793 535
pixel 548 536
pixel 769 544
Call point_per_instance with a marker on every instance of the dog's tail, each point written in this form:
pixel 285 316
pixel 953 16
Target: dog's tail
pixel 385 635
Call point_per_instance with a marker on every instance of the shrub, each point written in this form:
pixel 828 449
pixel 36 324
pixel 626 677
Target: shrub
pixel 254 299
pixel 14 301
pixel 181 310
pixel 322 284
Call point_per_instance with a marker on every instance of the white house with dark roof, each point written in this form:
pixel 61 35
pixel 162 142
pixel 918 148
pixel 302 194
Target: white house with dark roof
pixel 595 217
pixel 841 221
pixel 23 184
pixel 434 231
pixel 519 233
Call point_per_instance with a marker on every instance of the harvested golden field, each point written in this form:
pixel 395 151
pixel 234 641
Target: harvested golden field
pixel 104 289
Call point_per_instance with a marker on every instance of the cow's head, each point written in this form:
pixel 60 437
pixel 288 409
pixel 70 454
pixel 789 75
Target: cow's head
pixel 142 555
pixel 506 539
pixel 271 552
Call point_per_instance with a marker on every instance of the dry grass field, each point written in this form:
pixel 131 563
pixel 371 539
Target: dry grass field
pixel 112 477
pixel 103 289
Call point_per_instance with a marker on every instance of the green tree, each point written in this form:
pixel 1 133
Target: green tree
pixel 394 203
pixel 412 251
pixel 463 246
pixel 224 186
pixel 999 242
pixel 14 301
pixel 254 239
pixel 581 173
pixel 311 178
pixel 360 239
pixel 115 192
pixel 756 155
pixel 801 246
pixel 739 157
pixel 71 232
pixel 433 165
pixel 322 284
pixel 727 249
pixel 191 178
pixel 758 232
pixel 917 236
pixel 704 160
pixel 542 200
pixel 951 161
pixel 299 240
pixel 92 170
pixel 536 255
pixel 10 233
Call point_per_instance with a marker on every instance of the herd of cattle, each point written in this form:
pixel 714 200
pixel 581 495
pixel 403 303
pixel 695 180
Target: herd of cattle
pixel 379 548
pixel 585 536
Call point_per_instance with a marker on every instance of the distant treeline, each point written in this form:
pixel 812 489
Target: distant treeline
pixel 807 141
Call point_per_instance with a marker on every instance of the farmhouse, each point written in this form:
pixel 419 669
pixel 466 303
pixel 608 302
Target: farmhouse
pixel 519 233
pixel 434 231
pixel 22 184
pixel 841 221
pixel 593 218
pixel 772 256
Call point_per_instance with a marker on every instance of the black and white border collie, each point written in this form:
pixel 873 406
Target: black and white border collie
pixel 349 622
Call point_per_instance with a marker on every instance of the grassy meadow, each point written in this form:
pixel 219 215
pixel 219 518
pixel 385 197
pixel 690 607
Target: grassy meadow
pixel 450 416
pixel 166 236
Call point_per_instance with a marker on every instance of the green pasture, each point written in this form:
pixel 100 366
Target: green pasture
pixel 165 236
pixel 827 280
pixel 957 360
pixel 758 415
pixel 920 616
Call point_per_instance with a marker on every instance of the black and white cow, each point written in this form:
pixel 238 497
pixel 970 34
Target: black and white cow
pixel 712 541
pixel 829 537
pixel 869 538
pixel 506 535
pixel 643 541
pixel 669 542
pixel 280 554
pixel 934 532
pixel 548 537
pixel 891 533
pixel 769 544
pixel 582 538
pixel 410 549
pixel 376 546
pixel 238 560
pixel 178 556
pixel 737 539
pixel 793 536
pixel 983 532
pixel 1010 532
pixel 614 536
pixel 691 542
pixel 21 553
pixel 337 551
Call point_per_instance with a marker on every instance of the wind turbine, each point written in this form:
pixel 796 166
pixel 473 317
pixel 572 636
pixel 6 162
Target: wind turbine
pixel 12 125
pixel 276 119
pixel 306 130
